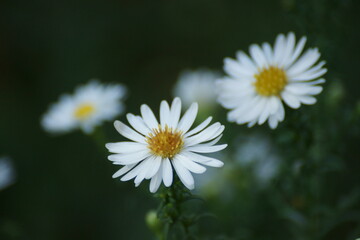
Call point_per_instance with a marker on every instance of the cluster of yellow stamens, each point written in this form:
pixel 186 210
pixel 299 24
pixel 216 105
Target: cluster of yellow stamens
pixel 84 111
pixel 165 142
pixel 270 81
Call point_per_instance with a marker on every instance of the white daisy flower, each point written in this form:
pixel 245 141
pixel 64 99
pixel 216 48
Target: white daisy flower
pixel 88 107
pixel 256 86
pixel 156 148
pixel 197 86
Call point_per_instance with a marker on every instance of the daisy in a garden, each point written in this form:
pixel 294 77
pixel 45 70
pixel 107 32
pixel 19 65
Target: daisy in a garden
pixel 88 107
pixel 257 86
pixel 156 148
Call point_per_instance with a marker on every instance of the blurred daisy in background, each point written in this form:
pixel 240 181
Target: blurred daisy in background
pixel 257 86
pixel 197 86
pixel 257 154
pixel 156 148
pixel 7 173
pixel 88 107
pixel 255 162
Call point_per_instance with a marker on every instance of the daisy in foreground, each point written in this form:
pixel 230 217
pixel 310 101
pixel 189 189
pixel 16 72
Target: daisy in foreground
pixel 156 148
pixel 87 108
pixel 256 86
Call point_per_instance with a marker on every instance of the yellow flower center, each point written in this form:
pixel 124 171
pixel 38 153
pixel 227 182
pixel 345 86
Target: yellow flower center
pixel 270 81
pixel 165 142
pixel 84 111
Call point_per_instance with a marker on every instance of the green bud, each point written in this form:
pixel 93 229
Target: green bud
pixel 153 222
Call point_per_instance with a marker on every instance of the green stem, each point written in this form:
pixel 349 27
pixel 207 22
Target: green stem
pixel 171 212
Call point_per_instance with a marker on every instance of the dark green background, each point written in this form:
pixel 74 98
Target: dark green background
pixel 64 188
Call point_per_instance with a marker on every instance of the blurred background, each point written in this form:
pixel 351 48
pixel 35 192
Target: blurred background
pixel 61 187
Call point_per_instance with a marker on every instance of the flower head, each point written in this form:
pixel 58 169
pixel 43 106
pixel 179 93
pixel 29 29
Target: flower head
pixel 90 105
pixel 257 86
pixel 197 86
pixel 156 148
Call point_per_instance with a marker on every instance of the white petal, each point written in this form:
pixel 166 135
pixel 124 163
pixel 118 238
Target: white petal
pixel 190 165
pixel 311 71
pixel 188 119
pixel 167 173
pixel 212 162
pixel 303 89
pixel 273 122
pixel 234 88
pixel 206 149
pixel 203 136
pixel 235 69
pixel 268 53
pixel 289 48
pixel 156 181
pixel 264 114
pixel 128 132
pixel 184 174
pixel 148 117
pixel 87 127
pixel 308 100
pixel 123 170
pixel 238 114
pixel 199 128
pixel 144 169
pixel 137 123
pixel 129 158
pixel 246 61
pixel 275 104
pixel 208 144
pixel 279 48
pixel 230 101
pixel 153 168
pixel 310 76
pixel 175 113
pixel 125 147
pixel 134 172
pixel 216 135
pixel 254 112
pixel 258 55
pixel 290 99
pixel 280 114
pixel 164 113
pixel 319 81
pixel 213 142
pixel 252 123
pixel 305 61
pixel 296 53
